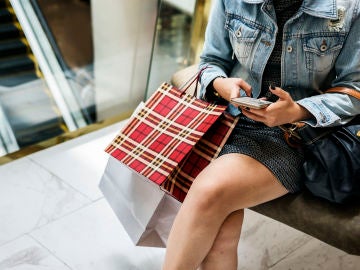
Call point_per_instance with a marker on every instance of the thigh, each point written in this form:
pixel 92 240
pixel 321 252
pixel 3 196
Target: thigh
pixel 238 181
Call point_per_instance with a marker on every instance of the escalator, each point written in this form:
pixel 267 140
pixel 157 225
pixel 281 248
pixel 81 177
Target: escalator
pixel 16 60
pixel 28 108
pixel 37 96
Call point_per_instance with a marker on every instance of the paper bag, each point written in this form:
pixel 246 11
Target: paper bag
pixel 146 212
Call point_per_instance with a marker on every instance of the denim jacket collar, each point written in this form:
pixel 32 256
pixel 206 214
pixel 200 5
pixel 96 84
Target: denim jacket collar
pixel 317 8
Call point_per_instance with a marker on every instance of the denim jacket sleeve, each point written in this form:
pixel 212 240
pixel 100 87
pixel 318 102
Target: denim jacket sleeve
pixel 327 109
pixel 217 51
pixel 336 109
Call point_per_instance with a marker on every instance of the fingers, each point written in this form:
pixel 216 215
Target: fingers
pixel 245 87
pixel 258 113
pixel 253 114
pixel 229 88
pixel 279 92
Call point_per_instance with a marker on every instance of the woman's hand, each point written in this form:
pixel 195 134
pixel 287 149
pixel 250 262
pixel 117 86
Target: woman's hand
pixel 284 110
pixel 229 88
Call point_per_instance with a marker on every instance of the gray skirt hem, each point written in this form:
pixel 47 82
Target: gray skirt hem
pixel 267 145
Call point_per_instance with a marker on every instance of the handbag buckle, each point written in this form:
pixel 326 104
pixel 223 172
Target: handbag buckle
pixel 291 136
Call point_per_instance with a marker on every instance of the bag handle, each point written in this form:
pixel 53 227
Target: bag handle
pixel 193 79
pixel 344 90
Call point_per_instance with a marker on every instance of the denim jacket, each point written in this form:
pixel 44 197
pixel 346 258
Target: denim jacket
pixel 321 49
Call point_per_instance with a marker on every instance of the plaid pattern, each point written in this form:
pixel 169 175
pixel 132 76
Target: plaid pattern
pixel 156 140
pixel 204 151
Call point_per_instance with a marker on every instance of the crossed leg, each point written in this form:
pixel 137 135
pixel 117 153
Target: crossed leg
pixel 223 252
pixel 207 228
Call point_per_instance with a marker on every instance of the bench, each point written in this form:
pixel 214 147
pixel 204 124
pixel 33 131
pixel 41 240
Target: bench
pixel 336 225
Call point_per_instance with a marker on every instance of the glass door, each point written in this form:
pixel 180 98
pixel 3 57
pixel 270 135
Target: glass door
pixel 179 38
pixel 67 64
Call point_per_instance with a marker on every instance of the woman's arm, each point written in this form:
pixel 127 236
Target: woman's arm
pixel 217 50
pixel 336 109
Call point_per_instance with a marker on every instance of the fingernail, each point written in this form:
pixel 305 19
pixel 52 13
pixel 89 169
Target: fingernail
pixel 272 87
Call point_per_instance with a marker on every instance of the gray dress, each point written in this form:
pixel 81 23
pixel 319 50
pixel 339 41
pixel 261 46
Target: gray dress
pixel 265 144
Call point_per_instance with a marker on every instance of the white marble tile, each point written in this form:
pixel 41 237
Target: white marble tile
pixel 265 241
pixel 88 137
pixel 31 197
pixel 25 253
pixel 316 255
pixel 81 161
pixel 93 239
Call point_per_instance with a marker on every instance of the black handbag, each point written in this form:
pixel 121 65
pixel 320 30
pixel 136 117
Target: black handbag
pixel 331 169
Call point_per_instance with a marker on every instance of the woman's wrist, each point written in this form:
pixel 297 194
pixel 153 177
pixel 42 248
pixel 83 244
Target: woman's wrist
pixel 215 85
pixel 211 93
pixel 302 113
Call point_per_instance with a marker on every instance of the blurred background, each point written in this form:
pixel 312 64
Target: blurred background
pixel 75 65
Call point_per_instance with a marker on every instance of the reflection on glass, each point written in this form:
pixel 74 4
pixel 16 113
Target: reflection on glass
pixel 172 41
pixel 67 26
pixel 67 64
pixel 46 78
pixel 123 33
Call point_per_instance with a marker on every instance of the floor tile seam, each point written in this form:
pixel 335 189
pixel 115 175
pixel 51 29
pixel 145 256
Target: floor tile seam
pixel 50 222
pixel 12 240
pixel 65 215
pixel 47 249
pixel 310 238
pixel 62 180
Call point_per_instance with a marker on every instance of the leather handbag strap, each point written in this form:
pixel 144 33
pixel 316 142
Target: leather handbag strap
pixel 344 90
pixel 293 138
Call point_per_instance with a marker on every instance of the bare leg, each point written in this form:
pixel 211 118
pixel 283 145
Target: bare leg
pixel 223 253
pixel 230 183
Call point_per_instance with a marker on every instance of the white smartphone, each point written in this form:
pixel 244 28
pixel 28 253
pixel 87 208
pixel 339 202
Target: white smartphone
pixel 249 102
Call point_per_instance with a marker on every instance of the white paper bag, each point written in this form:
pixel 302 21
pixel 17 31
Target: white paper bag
pixel 146 212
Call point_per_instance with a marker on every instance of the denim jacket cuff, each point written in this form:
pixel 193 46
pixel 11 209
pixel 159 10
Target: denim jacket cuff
pixel 208 76
pixel 321 115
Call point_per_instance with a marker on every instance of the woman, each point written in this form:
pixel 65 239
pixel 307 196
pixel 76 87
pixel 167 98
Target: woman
pixel 285 51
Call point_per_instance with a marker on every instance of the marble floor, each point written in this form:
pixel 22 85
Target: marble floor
pixel 53 216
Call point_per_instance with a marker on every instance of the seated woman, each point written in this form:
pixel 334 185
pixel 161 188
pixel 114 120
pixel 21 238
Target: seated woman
pixel 287 51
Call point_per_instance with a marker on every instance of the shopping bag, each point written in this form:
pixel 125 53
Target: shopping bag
pixel 203 152
pixel 155 157
pixel 146 212
pixel 172 138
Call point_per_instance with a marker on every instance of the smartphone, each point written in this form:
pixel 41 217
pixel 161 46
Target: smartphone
pixel 251 102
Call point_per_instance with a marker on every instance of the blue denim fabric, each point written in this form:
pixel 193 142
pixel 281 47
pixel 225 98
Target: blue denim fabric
pixel 321 49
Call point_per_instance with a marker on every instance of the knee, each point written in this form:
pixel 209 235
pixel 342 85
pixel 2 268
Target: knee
pixel 210 195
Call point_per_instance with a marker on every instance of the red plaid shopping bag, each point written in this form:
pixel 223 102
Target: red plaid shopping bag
pixel 203 152
pixel 172 138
